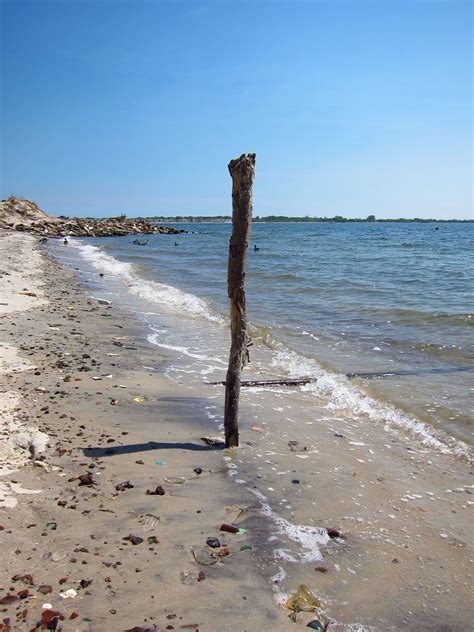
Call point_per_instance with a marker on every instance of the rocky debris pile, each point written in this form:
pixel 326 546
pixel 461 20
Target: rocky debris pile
pixel 26 216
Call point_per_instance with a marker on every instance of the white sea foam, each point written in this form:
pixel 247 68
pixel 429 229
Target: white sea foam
pixel 309 538
pixel 173 298
pixel 155 339
pixel 340 394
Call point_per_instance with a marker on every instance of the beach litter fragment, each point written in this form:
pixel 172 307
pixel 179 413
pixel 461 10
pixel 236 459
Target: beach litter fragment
pixel 213 441
pixel 125 485
pixel 334 533
pixel 86 479
pixel 237 513
pixel 198 470
pixel 134 539
pixel 160 463
pixel 68 594
pixel 213 543
pixel 204 556
pixel 45 589
pixel 158 491
pixel 177 480
pixel 302 600
pixel 138 399
pixel 51 526
pixel 317 625
pixel 229 528
pixel 246 547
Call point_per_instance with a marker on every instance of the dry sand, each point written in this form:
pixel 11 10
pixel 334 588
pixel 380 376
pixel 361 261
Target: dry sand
pixel 405 510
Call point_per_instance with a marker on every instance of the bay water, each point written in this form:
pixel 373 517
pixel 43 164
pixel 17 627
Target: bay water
pixel 380 314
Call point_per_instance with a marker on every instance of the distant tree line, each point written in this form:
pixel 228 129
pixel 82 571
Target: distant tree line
pixel 285 218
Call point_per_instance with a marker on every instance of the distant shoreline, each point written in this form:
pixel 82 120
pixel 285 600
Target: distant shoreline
pixel 299 220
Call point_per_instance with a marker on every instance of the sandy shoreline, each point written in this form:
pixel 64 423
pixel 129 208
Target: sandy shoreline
pixel 405 560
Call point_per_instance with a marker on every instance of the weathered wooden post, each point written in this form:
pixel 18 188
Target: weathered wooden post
pixel 242 171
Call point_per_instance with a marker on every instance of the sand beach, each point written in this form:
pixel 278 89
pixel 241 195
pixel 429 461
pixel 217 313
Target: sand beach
pixel 377 525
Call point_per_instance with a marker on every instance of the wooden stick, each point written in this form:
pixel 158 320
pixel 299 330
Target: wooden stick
pixel 242 171
pixel 295 382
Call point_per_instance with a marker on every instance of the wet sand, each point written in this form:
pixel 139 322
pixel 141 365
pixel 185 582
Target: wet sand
pixel 403 509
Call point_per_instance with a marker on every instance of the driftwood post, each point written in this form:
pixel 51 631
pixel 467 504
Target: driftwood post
pixel 242 171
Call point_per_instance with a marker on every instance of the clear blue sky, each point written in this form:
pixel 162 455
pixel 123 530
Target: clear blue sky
pixel 352 107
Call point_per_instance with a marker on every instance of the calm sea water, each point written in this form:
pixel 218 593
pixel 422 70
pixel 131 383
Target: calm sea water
pixel 381 314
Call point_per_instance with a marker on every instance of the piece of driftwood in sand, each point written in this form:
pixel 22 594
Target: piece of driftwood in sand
pixel 300 381
pixel 242 171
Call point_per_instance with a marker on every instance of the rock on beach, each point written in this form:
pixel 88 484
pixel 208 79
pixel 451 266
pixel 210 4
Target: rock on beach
pixel 26 216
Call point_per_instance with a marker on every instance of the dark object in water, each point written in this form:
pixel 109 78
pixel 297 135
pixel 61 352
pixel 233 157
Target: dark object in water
pixel 334 533
pixel 213 442
pixel 137 242
pixel 290 382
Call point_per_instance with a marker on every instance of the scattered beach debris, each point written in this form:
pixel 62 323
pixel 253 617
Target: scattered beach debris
pixel 302 600
pixel 68 594
pixel 213 543
pixel 175 480
pixel 300 381
pixel 86 479
pixel 134 539
pixel 158 491
pixel 334 533
pixel 204 556
pixel 317 625
pixel 229 528
pixel 213 441
pixel 125 485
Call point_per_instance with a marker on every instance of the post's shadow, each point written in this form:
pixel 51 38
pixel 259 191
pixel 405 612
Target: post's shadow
pixel 112 450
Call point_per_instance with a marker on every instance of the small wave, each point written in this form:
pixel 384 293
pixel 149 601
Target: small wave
pixel 155 340
pixel 172 297
pixel 309 538
pixel 340 393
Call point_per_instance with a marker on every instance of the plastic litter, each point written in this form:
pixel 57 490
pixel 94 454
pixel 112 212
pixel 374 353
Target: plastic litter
pixel 316 625
pixel 198 470
pixel 160 463
pixel 68 594
pixel 138 399
pixel 246 547
pixel 186 578
pixel 237 513
pixel 213 543
pixel 204 556
pixel 302 601
pixel 51 526
pixel 177 480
